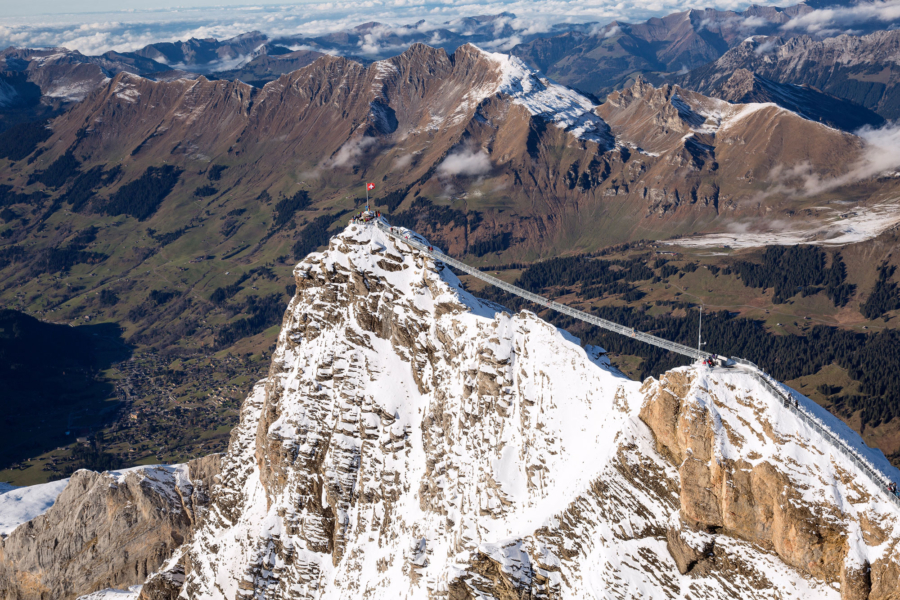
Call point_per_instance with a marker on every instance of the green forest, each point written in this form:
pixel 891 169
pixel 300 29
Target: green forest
pixel 872 359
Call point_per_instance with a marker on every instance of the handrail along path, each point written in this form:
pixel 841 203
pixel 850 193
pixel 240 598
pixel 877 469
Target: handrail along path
pixel 786 399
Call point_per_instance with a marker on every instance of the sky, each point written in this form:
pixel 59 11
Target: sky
pixel 96 26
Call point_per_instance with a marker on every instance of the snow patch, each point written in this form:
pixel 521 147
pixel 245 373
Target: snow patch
pixel 131 593
pixel 21 504
pixel 565 108
pixel 841 226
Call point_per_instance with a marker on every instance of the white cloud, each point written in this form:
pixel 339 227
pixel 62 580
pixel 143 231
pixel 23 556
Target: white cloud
pixel 882 152
pixel 402 162
pixel 827 19
pixel 880 155
pixel 767 46
pixel 350 152
pixel 128 24
pixel 465 162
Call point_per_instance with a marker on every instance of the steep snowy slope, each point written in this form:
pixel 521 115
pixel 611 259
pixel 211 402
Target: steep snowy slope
pixel 21 504
pixel 412 441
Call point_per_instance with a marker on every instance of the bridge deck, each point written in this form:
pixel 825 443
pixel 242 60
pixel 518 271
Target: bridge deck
pixel 567 310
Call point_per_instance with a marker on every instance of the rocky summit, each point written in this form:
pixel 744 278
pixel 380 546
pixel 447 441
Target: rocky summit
pixel 412 441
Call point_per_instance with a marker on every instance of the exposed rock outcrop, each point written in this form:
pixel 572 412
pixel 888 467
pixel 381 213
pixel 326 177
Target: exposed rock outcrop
pixel 165 584
pixel 770 481
pixel 106 530
pixel 412 440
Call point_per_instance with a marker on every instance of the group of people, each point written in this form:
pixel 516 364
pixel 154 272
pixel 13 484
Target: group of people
pixel 365 216
pixel 710 361
pixel 892 488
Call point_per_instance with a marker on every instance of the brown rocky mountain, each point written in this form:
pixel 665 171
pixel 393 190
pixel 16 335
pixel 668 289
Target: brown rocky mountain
pixel 471 126
pixel 861 69
pixel 66 76
pixel 744 87
pixel 604 59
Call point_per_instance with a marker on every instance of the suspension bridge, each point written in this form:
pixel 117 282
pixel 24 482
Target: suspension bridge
pixel 787 397
pixel 640 336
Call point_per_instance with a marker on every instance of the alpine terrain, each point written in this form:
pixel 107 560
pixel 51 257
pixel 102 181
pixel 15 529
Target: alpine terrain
pixel 412 441
pixel 222 378
pixel 171 211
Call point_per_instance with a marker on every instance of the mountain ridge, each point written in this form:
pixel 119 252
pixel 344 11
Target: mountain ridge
pixel 846 66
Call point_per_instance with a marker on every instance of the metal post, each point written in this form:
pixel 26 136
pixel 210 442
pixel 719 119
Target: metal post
pixel 700 329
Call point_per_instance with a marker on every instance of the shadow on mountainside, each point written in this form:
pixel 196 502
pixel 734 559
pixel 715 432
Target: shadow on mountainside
pixel 52 383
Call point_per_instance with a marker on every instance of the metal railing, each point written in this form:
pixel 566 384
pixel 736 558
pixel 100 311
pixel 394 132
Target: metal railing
pixel 786 398
pixel 791 403
pixel 566 310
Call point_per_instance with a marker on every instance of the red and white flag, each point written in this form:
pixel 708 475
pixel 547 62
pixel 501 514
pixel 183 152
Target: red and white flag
pixel 370 186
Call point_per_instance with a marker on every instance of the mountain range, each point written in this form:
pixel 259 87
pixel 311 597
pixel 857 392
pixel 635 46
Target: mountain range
pixel 593 58
pixel 172 198
pixel 862 69
pixel 469 127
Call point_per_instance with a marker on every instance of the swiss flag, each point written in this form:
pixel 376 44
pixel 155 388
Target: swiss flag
pixel 370 186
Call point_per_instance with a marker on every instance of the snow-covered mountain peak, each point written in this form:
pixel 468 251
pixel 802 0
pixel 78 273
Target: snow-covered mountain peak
pixel 412 441
pixel 562 106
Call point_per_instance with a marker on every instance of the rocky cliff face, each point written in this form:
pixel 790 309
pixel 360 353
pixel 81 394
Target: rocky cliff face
pixel 106 530
pixel 862 69
pixel 413 441
pixel 770 481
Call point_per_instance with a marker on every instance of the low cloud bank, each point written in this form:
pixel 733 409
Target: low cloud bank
pixel 880 156
pixel 828 20
pixel 465 162
pixel 351 151
pixel 100 28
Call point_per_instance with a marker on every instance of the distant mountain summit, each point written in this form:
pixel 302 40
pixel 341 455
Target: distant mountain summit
pixel 861 69
pixel 209 54
pixel 744 87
